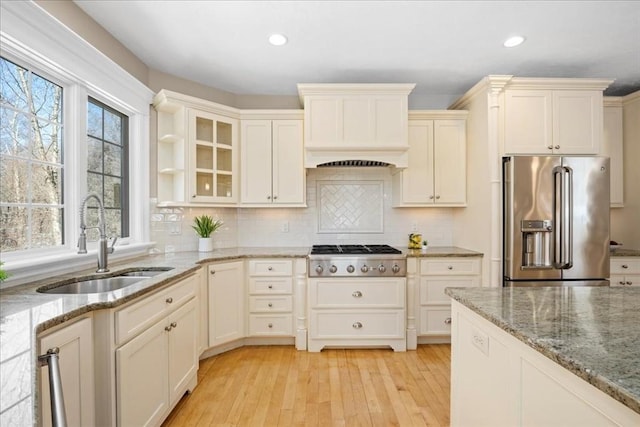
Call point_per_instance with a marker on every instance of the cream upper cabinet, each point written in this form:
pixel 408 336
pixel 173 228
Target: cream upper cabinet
pixel 272 163
pixel 612 147
pixel 343 120
pixel 197 151
pixel 539 121
pixel 436 175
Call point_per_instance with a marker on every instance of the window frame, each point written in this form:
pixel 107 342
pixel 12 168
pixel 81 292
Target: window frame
pixel 32 38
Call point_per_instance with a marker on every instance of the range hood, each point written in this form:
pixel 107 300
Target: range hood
pixel 355 124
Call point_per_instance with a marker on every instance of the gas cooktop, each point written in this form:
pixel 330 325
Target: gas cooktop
pixel 353 250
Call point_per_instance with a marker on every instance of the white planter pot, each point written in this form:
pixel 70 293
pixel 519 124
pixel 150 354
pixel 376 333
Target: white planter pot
pixel 205 244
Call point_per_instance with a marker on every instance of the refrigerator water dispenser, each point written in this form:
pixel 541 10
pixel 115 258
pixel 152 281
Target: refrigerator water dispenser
pixel 537 240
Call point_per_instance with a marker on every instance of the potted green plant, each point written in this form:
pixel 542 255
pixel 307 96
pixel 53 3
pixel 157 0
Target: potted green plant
pixel 205 226
pixel 3 274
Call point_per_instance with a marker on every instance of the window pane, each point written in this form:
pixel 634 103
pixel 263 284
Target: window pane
pixel 112 159
pixel 14 133
pixel 50 138
pixel 46 227
pixel 112 193
pixel 113 222
pixel 14 81
pixel 94 154
pixel 94 183
pixel 47 99
pixel 46 186
pixel 94 120
pixel 112 127
pixel 13 181
pixel 13 233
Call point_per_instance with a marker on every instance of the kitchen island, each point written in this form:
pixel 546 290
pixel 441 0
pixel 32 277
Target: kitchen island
pixel 545 356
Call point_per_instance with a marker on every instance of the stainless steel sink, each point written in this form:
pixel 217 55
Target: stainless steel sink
pixel 106 284
pixel 93 286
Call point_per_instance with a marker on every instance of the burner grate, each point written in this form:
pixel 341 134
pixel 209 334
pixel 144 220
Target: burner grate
pixel 353 249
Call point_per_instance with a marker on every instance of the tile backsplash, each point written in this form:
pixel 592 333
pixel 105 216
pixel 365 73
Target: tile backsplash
pixel 344 205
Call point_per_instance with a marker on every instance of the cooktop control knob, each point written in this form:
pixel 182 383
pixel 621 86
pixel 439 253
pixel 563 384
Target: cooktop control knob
pixel 364 268
pixel 333 269
pixel 319 269
pixel 395 268
pixel 382 268
pixel 351 269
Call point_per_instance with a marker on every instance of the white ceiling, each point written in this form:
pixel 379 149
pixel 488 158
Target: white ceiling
pixel 443 46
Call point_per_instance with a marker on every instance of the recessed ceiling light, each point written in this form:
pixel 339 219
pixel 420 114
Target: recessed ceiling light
pixel 513 41
pixel 277 39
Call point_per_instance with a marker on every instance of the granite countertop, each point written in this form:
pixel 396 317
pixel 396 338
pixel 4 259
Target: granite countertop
pixel 441 251
pixel 591 331
pixel 620 252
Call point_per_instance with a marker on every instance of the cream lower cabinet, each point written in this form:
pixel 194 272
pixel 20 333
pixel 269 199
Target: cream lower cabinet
pixel 75 343
pixel 434 310
pixel 270 297
pixel 625 271
pixel 273 171
pixel 437 171
pixel 159 361
pixel 226 302
pixel 497 380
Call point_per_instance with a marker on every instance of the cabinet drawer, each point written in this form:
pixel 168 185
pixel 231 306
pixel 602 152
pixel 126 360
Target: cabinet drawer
pixel 626 280
pixel 327 324
pixel 271 324
pixel 137 317
pixel 337 293
pixel 270 267
pixel 276 285
pixel 266 304
pixel 625 266
pixel 432 288
pixel 435 320
pixel 443 266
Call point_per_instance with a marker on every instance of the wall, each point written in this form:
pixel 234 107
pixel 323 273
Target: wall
pixel 625 222
pixel 171 228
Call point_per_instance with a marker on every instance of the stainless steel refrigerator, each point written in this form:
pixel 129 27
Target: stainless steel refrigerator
pixel 555 220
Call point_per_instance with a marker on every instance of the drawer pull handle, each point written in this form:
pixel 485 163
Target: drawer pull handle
pixel 270 286
pixel 270 268
pixel 357 294
pixel 357 325
pixel 450 267
pixel 167 328
pixel 625 266
pixel 270 325
pixel 213 272
pixel 447 321
pixel 174 325
pixel 169 300
pixel 270 305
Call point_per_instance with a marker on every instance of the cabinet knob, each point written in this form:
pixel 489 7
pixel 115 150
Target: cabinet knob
pixel 275 197
pixel 625 266
pixel 430 197
pixel 447 321
pixel 557 147
pixel 268 197
pixel 550 147
pixel 270 286
pixel 629 282
pixel 357 325
pixel 356 294
pixel 174 325
pixel 621 282
pixel 169 300
pixel 270 268
pixel 450 267
pixel 437 197
pixel 270 325
pixel 270 305
pixel 213 272
pixel 167 328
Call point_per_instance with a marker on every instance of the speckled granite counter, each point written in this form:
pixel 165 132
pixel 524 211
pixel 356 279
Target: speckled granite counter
pixel 24 313
pixel 591 331
pixel 441 251
pixel 625 253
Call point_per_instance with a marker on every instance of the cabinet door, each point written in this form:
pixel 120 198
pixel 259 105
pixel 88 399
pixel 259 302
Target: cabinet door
pixel 226 302
pixel 288 163
pixel 323 120
pixel 256 161
pixel 417 179
pixel 212 140
pixel 76 373
pixel 183 357
pixel 577 122
pixel 612 148
pixel 528 122
pixel 450 166
pixel 142 384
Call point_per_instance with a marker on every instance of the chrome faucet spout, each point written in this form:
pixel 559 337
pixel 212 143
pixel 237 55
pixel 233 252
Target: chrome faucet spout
pixel 103 248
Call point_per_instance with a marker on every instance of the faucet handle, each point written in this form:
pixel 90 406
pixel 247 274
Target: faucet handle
pixel 113 243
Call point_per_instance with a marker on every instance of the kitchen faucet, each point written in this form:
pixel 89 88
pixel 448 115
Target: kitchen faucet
pixel 103 248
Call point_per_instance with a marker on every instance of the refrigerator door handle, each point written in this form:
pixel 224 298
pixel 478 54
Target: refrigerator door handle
pixel 563 217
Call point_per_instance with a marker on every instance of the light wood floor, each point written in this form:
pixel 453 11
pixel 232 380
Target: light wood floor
pixel 280 386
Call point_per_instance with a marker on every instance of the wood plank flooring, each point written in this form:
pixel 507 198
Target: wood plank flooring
pixel 280 386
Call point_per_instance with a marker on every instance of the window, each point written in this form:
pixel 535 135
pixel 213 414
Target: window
pixel 31 171
pixel 107 167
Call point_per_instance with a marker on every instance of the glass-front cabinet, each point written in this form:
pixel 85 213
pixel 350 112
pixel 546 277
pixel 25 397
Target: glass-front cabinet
pixel 213 142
